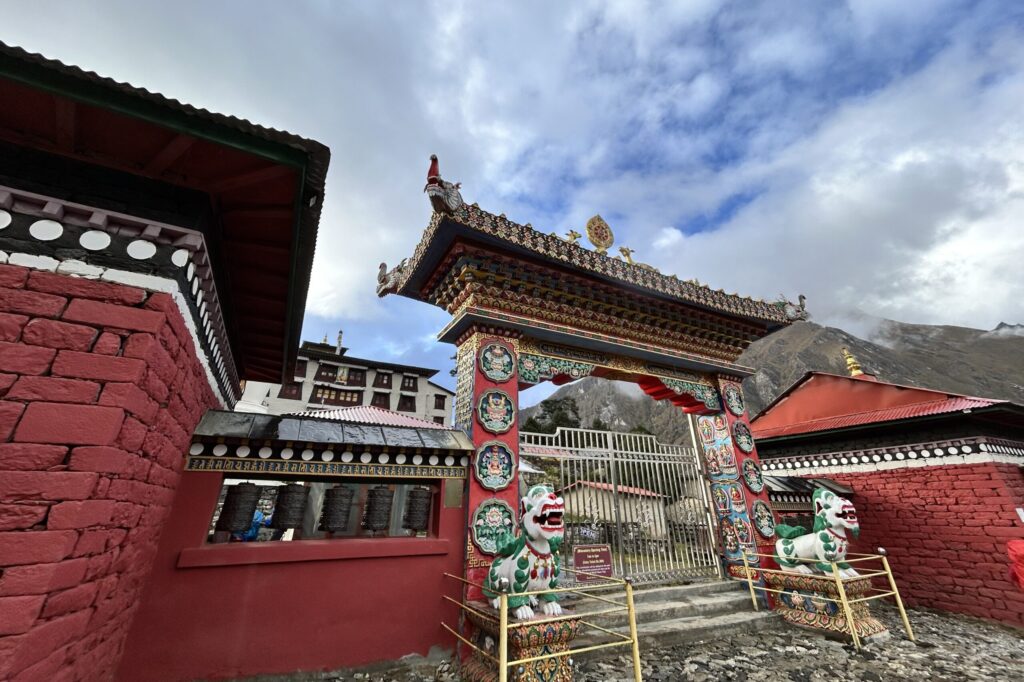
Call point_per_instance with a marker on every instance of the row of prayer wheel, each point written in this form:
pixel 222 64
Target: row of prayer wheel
pixel 241 501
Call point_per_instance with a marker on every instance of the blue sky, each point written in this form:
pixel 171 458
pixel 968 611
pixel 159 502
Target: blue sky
pixel 868 154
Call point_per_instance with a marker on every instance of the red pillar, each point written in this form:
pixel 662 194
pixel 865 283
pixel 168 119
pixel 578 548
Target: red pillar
pixel 738 494
pixel 492 415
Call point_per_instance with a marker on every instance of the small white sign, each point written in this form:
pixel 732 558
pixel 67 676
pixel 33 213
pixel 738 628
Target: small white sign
pixel 1020 513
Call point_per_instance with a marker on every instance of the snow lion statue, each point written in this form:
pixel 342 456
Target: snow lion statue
pixel 529 561
pixel 826 543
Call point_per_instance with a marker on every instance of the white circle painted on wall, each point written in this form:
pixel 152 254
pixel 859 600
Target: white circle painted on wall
pixel 140 249
pixel 400 459
pixel 94 240
pixel 242 451
pixel 180 257
pixel 287 453
pixel 307 455
pixel 347 456
pixel 219 450
pixel 327 455
pixel 196 449
pixel 265 452
pixel 5 219
pixel 46 230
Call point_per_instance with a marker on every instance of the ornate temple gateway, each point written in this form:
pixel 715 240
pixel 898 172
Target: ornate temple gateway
pixel 529 307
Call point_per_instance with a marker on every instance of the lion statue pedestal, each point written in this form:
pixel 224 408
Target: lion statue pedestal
pixel 525 640
pixel 527 562
pixel 803 600
pixel 808 594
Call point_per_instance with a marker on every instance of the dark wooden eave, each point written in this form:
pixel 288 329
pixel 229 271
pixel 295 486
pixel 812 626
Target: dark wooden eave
pixel 265 187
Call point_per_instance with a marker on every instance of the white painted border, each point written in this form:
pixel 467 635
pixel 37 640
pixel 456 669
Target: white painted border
pixel 949 460
pixel 152 283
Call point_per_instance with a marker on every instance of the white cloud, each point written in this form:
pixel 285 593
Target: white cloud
pixel 877 145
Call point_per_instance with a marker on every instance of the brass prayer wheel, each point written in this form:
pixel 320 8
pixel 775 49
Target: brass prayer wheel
pixel 377 515
pixel 239 507
pixel 290 506
pixel 337 508
pixel 417 509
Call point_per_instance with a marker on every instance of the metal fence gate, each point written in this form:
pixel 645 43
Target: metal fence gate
pixel 645 499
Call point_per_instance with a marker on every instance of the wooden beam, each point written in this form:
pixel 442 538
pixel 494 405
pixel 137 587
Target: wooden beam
pixel 171 152
pixel 65 113
pixel 251 178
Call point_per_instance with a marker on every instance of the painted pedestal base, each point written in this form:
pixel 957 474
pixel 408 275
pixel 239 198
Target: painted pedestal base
pixel 803 602
pixel 525 639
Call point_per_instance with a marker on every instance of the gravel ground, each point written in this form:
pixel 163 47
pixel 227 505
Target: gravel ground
pixel 949 648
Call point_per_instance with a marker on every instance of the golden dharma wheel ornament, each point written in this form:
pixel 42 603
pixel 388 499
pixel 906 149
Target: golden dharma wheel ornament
pixel 599 234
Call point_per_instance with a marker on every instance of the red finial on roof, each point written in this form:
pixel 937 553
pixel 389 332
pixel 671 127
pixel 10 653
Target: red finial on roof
pixel 434 173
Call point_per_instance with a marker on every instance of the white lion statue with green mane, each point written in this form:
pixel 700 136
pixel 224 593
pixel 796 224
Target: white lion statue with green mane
pixel 529 561
pixel 801 552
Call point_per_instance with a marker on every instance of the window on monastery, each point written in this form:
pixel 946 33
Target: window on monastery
pixel 356 377
pixel 382 380
pixel 292 391
pixel 300 369
pixel 381 400
pixel 439 420
pixel 323 395
pixel 409 383
pixel 328 373
pixel 313 508
pixel 407 403
pixel 439 401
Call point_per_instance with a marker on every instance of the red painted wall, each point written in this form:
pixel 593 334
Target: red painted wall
pixel 242 619
pixel 946 529
pixel 100 388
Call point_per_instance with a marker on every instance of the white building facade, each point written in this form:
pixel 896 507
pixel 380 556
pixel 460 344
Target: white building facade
pixel 327 377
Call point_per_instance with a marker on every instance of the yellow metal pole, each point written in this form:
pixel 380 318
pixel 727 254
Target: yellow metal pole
pixel 637 675
pixel 750 580
pixel 503 637
pixel 896 593
pixel 847 610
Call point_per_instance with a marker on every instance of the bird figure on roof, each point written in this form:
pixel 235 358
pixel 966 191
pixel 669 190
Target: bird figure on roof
pixel 572 236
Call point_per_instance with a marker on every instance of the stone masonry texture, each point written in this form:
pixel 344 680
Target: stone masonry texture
pixel 946 529
pixel 100 389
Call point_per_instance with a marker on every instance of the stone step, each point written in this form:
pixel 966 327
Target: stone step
pixel 653 611
pixel 679 631
pixel 682 592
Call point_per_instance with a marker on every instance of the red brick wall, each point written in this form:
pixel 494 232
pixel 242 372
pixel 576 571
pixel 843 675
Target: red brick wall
pixel 946 529
pixel 100 388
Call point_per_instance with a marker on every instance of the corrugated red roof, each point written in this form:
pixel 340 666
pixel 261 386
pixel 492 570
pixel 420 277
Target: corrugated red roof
pixel 368 414
pixel 952 403
pixel 629 490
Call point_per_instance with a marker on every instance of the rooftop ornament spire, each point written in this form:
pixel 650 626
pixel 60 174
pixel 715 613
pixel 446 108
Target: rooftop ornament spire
pixel 444 196
pixel 852 366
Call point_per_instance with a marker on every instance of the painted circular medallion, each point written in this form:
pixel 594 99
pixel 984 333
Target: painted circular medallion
pixel 764 521
pixel 741 434
pixel 496 362
pixel 600 234
pixel 734 399
pixel 496 411
pixel 491 522
pixel 752 476
pixel 494 465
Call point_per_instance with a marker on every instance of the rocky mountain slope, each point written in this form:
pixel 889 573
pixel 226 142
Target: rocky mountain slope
pixel 956 359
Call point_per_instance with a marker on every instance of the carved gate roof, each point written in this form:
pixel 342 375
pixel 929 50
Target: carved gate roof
pixel 485 269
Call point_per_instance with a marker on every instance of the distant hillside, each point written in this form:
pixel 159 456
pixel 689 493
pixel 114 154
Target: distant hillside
pixel 957 359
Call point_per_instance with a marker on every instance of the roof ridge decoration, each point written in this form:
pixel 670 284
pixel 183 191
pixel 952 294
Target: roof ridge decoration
pixel 448 206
